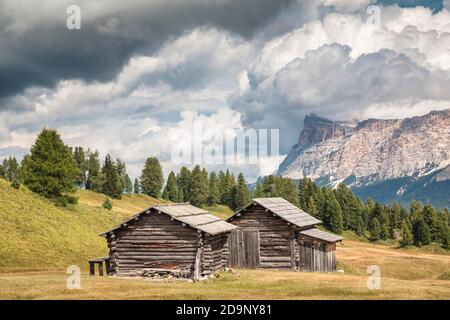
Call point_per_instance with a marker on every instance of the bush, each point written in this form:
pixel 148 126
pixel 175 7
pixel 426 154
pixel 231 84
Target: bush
pixel 64 200
pixel 107 204
pixel 15 184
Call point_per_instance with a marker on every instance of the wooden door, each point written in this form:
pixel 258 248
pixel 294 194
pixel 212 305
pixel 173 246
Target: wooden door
pixel 243 247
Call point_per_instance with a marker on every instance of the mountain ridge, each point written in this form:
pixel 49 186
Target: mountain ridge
pixel 374 151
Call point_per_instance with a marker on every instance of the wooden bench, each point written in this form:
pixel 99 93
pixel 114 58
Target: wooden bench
pixel 99 262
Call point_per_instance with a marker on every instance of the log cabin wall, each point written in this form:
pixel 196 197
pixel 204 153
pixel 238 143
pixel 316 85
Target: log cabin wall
pixel 153 241
pixel 316 255
pixel 215 254
pixel 274 233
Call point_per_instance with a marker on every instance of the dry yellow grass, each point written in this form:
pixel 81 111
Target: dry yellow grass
pixel 406 274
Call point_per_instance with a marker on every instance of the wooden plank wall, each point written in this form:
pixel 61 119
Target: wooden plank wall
pixel 153 241
pixel 316 256
pixel 275 237
pixel 243 246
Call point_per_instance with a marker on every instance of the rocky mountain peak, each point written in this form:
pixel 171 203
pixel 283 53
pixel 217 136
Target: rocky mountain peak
pixel 374 151
pixel 317 129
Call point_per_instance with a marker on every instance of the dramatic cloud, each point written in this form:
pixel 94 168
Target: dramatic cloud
pixel 38 49
pixel 341 66
pixel 139 70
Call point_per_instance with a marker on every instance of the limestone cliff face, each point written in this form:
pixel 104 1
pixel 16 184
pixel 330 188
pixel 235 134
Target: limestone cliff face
pixel 374 150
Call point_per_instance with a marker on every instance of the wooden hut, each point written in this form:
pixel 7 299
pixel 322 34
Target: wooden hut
pixel 273 233
pixel 179 239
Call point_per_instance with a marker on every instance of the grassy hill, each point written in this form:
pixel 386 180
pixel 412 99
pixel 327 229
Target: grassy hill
pixel 37 234
pixel 39 241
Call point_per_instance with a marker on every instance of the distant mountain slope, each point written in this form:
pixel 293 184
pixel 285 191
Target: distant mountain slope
pixel 37 234
pixel 400 159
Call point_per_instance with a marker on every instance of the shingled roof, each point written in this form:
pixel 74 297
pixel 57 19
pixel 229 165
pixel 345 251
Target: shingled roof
pixel 192 216
pixel 321 235
pixel 285 210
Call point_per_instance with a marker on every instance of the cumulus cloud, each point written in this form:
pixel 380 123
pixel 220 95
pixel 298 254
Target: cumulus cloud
pixel 140 70
pixel 341 66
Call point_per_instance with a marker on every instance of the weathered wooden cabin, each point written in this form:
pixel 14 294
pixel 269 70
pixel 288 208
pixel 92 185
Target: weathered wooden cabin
pixel 181 238
pixel 273 233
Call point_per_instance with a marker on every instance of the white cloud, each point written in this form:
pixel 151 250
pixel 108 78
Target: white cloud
pixel 341 67
pixel 318 56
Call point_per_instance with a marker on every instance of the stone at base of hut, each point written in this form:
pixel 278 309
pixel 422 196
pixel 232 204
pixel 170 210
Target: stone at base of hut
pixel 165 273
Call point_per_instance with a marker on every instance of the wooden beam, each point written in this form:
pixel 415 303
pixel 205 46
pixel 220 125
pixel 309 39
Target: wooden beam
pixel 91 268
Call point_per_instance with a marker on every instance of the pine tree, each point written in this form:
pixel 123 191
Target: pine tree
pixel 305 191
pixel 407 237
pixel 51 170
pixel 112 186
pixel 80 159
pixel 2 170
pixel 136 187
pixel 360 226
pixel 152 178
pixel 171 190
pixel 93 180
pixel 385 234
pixel 128 185
pixel 214 192
pixel 122 173
pixel 287 189
pixel 241 194
pixel 199 187
pixel 333 213
pixel 184 183
pixel 421 233
pixel 312 208
pixel 226 185
pixel 375 229
pixel 11 169
pixel 432 220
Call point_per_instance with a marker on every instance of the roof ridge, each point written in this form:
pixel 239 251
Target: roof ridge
pixel 172 204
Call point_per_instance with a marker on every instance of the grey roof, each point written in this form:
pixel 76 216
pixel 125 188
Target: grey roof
pixel 194 217
pixel 321 235
pixel 286 211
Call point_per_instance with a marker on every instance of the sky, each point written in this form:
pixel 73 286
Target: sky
pixel 139 72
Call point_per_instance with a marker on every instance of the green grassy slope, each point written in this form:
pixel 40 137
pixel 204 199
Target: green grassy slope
pixel 220 211
pixel 38 235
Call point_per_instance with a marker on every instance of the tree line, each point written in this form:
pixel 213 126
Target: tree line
pixel 201 188
pixel 55 170
pixel 341 210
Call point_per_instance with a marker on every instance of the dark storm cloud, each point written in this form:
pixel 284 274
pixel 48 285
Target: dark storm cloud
pixel 47 52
